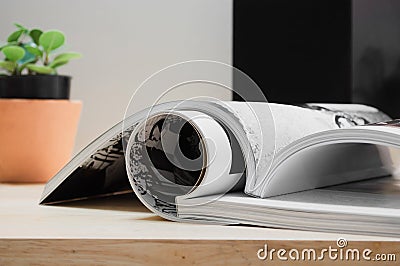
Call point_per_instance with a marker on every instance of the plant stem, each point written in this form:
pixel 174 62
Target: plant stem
pixel 15 71
pixel 46 60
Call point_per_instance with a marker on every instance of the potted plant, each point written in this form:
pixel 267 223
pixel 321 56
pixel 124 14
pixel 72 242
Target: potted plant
pixel 38 121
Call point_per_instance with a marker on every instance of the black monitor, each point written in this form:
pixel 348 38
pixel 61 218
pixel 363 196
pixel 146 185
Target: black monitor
pixel 338 51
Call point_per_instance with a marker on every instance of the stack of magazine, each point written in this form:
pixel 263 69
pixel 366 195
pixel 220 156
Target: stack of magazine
pixel 322 167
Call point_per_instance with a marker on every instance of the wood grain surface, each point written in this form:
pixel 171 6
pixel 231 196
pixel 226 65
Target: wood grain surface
pixel 120 231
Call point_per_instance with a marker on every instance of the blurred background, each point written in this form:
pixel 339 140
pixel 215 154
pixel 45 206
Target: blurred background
pixel 296 51
pixel 123 42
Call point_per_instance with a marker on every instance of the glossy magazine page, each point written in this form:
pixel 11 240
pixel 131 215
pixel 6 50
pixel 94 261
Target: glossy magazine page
pixel 197 149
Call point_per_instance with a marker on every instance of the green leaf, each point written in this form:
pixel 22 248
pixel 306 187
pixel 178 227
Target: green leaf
pixel 13 37
pixel 58 63
pixel 8 44
pixel 40 69
pixel 13 53
pixel 63 59
pixel 19 26
pixel 34 50
pixel 67 56
pixel 7 65
pixel 51 40
pixel 35 35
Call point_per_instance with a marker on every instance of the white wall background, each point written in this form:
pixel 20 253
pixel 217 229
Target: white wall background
pixel 123 42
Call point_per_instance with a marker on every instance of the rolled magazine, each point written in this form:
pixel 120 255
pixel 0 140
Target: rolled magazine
pixel 248 163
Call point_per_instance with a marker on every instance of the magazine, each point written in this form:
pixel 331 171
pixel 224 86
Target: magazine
pixel 324 167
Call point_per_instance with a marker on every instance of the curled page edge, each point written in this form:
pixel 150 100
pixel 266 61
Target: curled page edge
pixel 220 111
pixel 215 180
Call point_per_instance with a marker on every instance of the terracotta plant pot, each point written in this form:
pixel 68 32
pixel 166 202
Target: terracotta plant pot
pixel 36 137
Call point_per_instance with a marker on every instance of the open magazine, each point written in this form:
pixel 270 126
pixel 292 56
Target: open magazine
pixel 325 167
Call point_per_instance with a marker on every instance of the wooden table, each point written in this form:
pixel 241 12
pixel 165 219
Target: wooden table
pixel 120 230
